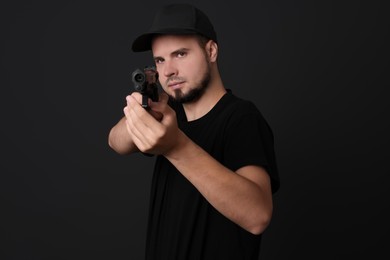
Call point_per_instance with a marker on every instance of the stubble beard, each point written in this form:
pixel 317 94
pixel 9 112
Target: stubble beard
pixel 194 94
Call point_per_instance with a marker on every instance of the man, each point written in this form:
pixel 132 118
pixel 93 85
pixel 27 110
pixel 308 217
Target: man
pixel 215 170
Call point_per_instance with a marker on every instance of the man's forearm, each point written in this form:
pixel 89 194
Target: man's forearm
pixel 119 139
pixel 245 201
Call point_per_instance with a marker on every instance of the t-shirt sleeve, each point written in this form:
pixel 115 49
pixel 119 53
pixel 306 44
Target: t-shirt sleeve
pixel 250 141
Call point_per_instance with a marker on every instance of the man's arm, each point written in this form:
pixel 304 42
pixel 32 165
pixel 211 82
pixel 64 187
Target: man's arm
pixel 244 196
pixel 120 140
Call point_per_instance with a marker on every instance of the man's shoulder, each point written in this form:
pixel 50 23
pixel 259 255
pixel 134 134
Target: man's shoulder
pixel 240 106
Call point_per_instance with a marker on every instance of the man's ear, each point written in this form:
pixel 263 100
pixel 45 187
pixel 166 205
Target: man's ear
pixel 212 50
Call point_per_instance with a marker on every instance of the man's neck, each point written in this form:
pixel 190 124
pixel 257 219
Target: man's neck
pixel 206 102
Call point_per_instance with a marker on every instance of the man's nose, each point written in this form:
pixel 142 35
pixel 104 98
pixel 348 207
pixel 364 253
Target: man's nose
pixel 170 69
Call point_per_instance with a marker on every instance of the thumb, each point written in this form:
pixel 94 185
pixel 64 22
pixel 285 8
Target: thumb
pixel 163 98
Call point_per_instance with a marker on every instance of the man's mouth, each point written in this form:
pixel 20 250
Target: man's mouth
pixel 175 85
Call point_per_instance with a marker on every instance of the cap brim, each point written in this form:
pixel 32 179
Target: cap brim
pixel 144 41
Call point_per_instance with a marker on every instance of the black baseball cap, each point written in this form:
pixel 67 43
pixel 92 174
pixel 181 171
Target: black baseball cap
pixel 177 19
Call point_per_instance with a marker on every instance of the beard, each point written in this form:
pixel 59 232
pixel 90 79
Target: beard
pixel 195 93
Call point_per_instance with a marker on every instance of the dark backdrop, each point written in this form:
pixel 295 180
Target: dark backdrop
pixel 317 71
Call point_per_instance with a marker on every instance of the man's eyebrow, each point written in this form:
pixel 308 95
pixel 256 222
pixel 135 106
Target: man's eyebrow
pixel 172 53
pixel 180 50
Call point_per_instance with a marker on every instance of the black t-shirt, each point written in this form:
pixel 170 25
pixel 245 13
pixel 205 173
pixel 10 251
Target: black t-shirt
pixel 182 224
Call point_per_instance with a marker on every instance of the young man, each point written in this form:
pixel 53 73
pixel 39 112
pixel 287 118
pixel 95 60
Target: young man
pixel 215 170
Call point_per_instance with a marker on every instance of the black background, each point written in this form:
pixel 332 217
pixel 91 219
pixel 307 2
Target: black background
pixel 318 71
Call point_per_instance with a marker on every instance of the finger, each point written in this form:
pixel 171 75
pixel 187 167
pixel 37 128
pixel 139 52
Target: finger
pixel 157 115
pixel 164 97
pixel 136 135
pixel 143 125
pixel 165 110
pixel 137 96
pixel 133 104
pixel 134 99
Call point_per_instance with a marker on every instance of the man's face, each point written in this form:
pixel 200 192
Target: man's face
pixel 183 67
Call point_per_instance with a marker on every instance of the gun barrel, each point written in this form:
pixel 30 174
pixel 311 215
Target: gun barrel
pixel 146 82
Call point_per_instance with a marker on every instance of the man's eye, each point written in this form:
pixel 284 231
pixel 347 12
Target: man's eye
pixel 158 61
pixel 181 54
